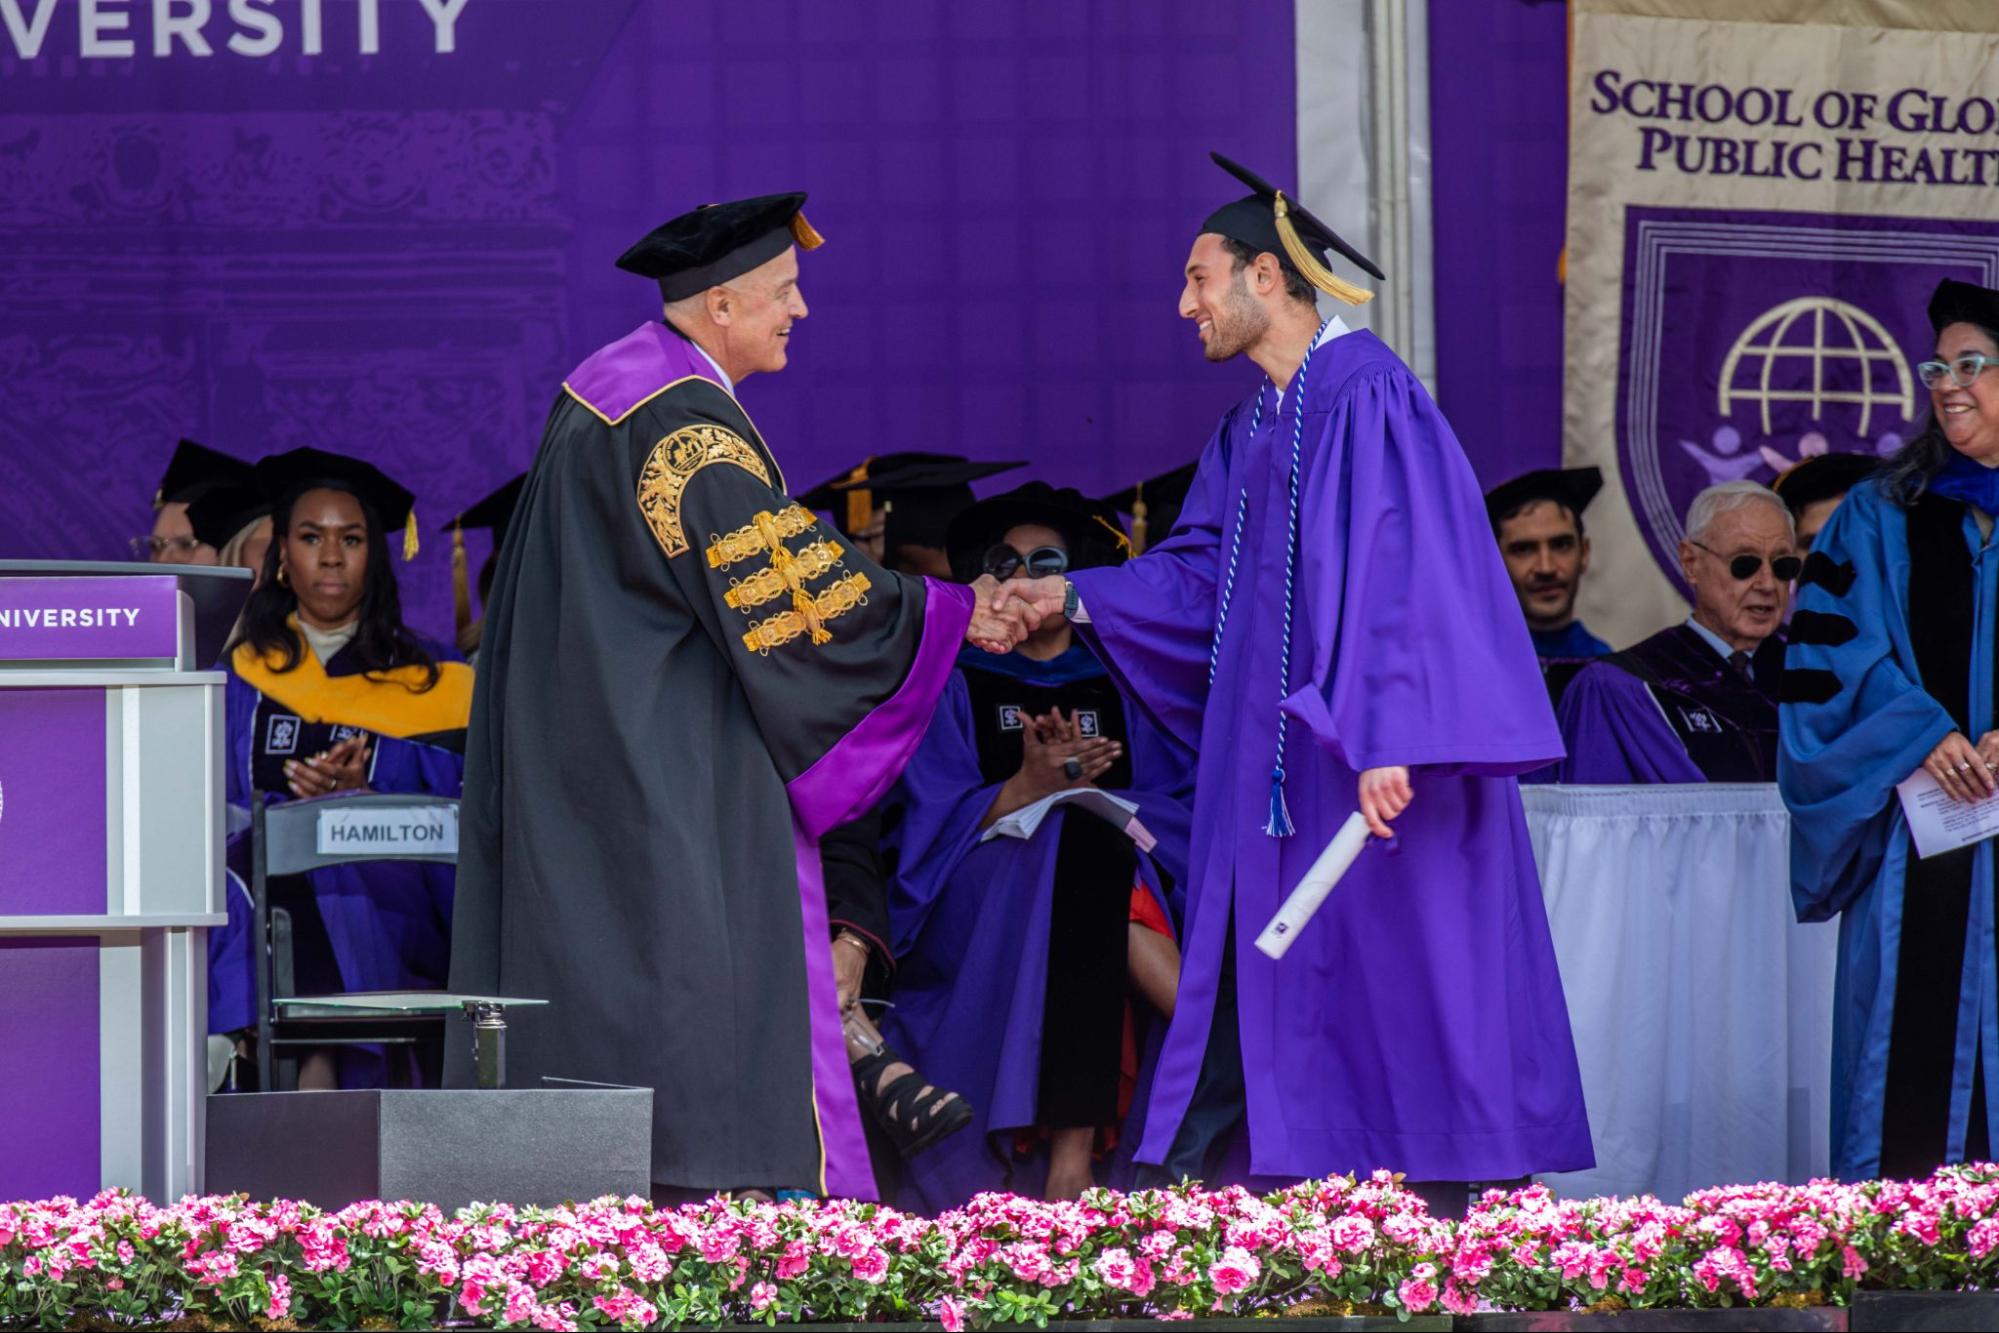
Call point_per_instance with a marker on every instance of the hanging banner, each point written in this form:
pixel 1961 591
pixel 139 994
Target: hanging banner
pixel 1761 198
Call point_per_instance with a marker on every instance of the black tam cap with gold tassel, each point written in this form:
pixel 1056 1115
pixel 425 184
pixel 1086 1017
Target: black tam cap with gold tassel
pixel 284 477
pixel 1270 221
pixel 716 242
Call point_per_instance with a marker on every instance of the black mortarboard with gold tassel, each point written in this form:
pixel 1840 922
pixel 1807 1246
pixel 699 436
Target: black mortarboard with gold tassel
pixel 1154 504
pixel 285 477
pixel 496 511
pixel 920 493
pixel 1271 221
pixel 716 242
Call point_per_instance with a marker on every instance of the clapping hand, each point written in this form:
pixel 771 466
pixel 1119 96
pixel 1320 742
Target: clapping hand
pixel 1056 756
pixel 341 768
pixel 999 625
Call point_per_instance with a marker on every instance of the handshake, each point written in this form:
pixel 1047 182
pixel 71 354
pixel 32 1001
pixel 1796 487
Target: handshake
pixel 1008 612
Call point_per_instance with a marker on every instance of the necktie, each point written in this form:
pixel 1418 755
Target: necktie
pixel 1740 661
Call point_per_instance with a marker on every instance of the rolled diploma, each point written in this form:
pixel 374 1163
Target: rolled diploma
pixel 1304 901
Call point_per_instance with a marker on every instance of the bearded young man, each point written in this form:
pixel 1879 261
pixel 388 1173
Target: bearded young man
pixel 1329 626
pixel 685 680
pixel 1537 519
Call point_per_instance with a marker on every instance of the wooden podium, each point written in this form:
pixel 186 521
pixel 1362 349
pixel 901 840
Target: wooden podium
pixel 111 869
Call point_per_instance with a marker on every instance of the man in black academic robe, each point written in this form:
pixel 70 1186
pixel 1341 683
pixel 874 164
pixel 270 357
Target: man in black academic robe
pixel 685 680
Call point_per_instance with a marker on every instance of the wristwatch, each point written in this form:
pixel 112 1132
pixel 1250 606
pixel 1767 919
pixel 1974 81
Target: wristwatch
pixel 1071 602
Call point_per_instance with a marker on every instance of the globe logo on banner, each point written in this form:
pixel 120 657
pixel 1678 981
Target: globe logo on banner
pixel 1752 341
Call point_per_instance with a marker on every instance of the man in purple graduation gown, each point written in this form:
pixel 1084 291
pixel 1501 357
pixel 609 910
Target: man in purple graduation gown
pixel 1330 625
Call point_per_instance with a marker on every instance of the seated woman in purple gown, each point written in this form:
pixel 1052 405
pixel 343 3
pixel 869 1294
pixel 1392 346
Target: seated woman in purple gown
pixel 1019 956
pixel 329 692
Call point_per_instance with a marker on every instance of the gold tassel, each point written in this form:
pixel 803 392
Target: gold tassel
pixel 1308 263
pixel 409 536
pixel 461 584
pixel 1138 523
pixel 860 503
pixel 803 232
pixel 1124 542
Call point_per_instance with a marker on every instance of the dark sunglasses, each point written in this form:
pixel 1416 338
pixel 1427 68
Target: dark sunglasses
pixel 1743 567
pixel 1003 562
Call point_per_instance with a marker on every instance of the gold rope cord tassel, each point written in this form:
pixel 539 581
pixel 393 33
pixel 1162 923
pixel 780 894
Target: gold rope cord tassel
pixel 805 233
pixel 461 584
pixel 860 503
pixel 1124 542
pixel 410 546
pixel 1138 524
pixel 1307 263
pixel 787 568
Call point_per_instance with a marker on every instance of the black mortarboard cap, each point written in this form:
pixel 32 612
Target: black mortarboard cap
pixel 922 493
pixel 495 511
pixel 1089 528
pixel 1823 477
pixel 1956 302
pixel 1570 487
pixel 219 513
pixel 1154 504
pixel 290 474
pixel 1271 220
pixel 717 242
pixel 195 468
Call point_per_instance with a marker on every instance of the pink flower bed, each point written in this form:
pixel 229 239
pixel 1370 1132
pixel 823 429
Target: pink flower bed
pixel 1359 1246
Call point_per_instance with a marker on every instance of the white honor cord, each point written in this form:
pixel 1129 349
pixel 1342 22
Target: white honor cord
pixel 1311 892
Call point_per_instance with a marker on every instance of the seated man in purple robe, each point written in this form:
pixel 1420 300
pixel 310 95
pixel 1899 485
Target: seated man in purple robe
pixel 1537 519
pixel 1697 702
pixel 1330 626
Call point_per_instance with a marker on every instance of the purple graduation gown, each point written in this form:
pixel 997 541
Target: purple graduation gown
pixel 970 924
pixel 1418 1022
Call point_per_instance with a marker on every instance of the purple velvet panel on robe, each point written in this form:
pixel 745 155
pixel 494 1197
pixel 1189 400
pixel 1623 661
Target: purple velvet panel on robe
pixel 1615 735
pixel 970 923
pixel 1418 1023
pixel 847 781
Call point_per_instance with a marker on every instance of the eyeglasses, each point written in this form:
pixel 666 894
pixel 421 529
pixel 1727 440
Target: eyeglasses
pixel 1743 567
pixel 1962 372
pixel 160 548
pixel 1003 562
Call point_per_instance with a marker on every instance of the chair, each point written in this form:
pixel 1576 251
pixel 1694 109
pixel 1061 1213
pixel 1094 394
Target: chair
pixel 285 839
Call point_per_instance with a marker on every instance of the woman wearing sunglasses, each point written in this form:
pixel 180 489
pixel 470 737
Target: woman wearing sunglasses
pixel 1891 676
pixel 1019 959
pixel 1697 702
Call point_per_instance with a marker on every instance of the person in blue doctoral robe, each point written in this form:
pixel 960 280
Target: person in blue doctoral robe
pixel 327 693
pixel 1330 626
pixel 1891 674
pixel 1016 957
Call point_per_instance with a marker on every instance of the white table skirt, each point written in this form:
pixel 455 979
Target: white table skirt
pixel 1702 1010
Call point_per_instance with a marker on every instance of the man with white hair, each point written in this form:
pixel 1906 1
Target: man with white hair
pixel 1697 702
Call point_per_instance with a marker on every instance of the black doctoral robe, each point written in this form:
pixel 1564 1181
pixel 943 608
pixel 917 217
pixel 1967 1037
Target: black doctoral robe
pixel 684 681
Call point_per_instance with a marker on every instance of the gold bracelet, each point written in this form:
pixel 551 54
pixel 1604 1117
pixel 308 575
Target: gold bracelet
pixel 849 937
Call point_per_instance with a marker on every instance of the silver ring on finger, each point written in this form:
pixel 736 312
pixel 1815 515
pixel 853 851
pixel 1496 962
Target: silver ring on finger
pixel 1964 767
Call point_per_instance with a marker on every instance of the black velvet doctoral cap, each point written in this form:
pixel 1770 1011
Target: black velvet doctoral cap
pixel 1089 528
pixel 1824 477
pixel 195 468
pixel 219 513
pixel 717 242
pixel 1572 488
pixel 291 474
pixel 495 511
pixel 1956 302
pixel 1254 221
pixel 921 492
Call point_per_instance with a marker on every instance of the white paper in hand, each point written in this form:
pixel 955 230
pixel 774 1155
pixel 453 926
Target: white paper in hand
pixel 1115 810
pixel 1939 824
pixel 1311 892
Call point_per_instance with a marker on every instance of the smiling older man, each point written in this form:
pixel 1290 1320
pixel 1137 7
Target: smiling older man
pixel 1697 702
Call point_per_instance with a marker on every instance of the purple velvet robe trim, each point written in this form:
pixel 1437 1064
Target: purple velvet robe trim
pixel 848 780
pixel 851 778
pixel 1615 735
pixel 619 376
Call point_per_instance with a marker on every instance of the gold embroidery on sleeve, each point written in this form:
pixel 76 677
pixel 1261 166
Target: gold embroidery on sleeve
pixel 747 541
pixel 673 463
pixel 838 598
pixel 768 584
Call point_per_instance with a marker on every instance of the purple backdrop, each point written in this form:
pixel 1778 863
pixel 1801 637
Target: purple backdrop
pixel 1499 149
pixel 399 251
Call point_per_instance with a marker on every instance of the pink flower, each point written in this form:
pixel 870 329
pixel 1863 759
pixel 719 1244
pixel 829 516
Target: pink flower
pixel 1851 1265
pixel 761 1296
pixel 1352 1233
pixel 280 1303
pixel 870 1266
pixel 1417 1295
pixel 951 1314
pixel 797 1257
pixel 1236 1269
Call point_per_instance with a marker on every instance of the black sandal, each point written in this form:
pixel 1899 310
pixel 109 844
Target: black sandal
pixel 911 1121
